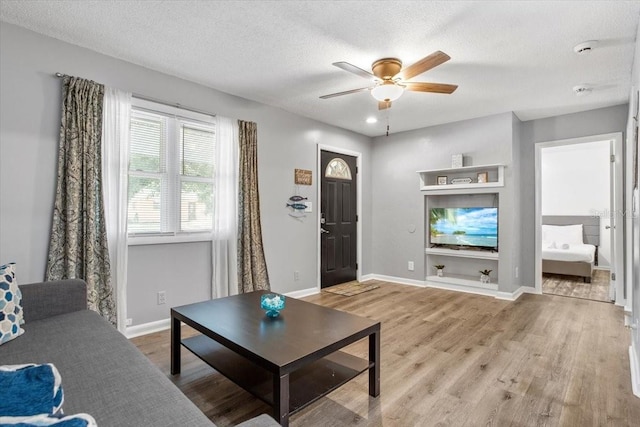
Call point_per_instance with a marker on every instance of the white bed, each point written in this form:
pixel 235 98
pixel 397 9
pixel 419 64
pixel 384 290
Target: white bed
pixel 570 245
pixel 573 253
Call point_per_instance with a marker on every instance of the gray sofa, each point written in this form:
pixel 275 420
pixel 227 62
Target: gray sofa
pixel 103 374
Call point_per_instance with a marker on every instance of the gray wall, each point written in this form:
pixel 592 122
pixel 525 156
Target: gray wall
pixel 29 126
pixel 392 202
pixel 398 203
pixel 594 122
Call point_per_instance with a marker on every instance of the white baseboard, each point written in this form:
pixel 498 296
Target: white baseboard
pixel 512 296
pixel 147 328
pixel 634 362
pixel 392 279
pixel 164 324
pixel 531 290
pixel 509 296
pixel 462 288
pixel 303 293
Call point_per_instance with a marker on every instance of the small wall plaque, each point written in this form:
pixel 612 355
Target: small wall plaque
pixel 302 177
pixel 456 161
pixel 461 181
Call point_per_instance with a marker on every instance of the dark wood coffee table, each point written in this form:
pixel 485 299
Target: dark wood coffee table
pixel 288 362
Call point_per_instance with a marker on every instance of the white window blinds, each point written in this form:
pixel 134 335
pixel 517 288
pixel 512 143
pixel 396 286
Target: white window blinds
pixel 171 170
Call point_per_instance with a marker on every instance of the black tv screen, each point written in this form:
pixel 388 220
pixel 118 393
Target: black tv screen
pixel 473 227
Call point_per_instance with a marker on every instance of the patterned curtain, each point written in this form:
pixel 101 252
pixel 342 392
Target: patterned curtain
pixel 78 245
pixel 252 266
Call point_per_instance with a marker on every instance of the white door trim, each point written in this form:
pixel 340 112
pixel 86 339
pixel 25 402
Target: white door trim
pixel 616 138
pixel 358 156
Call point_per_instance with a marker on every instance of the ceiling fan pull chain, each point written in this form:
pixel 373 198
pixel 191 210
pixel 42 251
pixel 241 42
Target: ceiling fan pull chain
pixel 388 116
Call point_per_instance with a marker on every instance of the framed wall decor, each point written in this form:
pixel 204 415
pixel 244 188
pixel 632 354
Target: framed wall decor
pixel 302 177
pixel 442 180
pixel 483 177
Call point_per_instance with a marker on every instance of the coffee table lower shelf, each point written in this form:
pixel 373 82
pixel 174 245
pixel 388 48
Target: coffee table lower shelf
pixel 306 385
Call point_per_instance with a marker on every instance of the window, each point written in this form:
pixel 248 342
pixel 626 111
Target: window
pixel 171 171
pixel 338 168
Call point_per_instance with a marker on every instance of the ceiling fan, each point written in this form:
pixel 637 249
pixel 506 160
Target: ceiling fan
pixel 391 79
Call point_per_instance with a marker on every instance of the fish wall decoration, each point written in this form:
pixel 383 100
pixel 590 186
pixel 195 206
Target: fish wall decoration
pixel 297 206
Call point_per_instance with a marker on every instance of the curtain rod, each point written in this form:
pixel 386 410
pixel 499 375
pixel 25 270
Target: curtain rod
pixel 160 101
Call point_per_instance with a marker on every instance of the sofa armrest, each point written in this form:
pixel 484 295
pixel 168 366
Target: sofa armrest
pixel 47 299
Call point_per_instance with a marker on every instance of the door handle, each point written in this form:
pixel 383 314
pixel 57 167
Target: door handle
pixel 323 231
pixel 607 227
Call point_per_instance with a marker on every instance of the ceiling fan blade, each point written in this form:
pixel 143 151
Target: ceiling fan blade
pixel 430 87
pixel 346 92
pixel 383 105
pixel 355 70
pixel 426 63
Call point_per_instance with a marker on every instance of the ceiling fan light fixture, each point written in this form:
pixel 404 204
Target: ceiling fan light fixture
pixel 387 92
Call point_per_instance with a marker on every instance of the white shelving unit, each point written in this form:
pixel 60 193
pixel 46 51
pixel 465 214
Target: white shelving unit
pixel 462 253
pixel 429 177
pixel 462 280
pixel 429 184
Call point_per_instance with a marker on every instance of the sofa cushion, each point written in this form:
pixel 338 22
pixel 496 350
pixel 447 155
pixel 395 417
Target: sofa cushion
pixel 30 390
pixel 10 304
pixel 103 374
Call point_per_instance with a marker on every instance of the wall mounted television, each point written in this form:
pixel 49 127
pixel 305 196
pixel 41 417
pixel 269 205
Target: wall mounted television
pixel 461 228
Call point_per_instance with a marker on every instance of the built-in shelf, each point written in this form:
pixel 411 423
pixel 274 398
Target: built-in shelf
pixel 429 177
pixel 463 280
pixel 462 253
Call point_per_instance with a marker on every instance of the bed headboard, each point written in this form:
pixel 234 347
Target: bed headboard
pixel 590 225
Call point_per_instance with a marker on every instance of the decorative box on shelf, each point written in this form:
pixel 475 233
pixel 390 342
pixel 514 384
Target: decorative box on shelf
pixel 466 177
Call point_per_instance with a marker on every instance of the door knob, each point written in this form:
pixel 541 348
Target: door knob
pixel 607 227
pixel 323 231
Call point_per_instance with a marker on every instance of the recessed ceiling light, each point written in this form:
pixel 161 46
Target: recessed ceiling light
pixel 372 120
pixel 585 47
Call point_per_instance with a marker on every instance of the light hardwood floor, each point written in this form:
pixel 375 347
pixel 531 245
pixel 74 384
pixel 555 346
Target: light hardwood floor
pixel 456 359
pixel 571 286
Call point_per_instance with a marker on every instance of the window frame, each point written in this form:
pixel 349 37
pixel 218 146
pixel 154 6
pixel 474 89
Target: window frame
pixel 171 176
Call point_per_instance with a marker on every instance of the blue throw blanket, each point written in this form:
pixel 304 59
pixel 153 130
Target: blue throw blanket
pixel 30 390
pixel 79 420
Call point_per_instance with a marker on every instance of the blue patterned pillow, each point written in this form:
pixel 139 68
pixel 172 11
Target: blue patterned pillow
pixel 10 304
pixel 78 420
pixel 27 390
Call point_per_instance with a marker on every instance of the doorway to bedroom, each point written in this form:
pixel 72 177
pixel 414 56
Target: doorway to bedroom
pixel 576 202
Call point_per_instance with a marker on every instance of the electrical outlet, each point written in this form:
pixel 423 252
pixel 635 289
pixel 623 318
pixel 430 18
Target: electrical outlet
pixel 517 272
pixel 309 208
pixel 410 266
pixel 296 276
pixel 129 322
pixel 162 297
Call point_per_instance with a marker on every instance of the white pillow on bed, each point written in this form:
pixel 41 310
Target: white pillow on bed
pixel 569 234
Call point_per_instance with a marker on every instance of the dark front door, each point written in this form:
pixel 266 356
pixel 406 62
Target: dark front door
pixel 338 218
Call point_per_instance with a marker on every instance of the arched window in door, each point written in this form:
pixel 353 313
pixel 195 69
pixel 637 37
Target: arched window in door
pixel 338 168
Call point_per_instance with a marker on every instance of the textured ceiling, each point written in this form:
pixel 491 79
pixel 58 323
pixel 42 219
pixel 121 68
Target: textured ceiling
pixel 506 55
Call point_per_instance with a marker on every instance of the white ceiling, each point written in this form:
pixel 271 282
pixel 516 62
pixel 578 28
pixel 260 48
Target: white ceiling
pixel 506 55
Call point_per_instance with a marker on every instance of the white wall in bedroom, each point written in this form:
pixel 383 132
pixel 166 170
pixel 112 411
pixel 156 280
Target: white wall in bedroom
pixel 576 181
